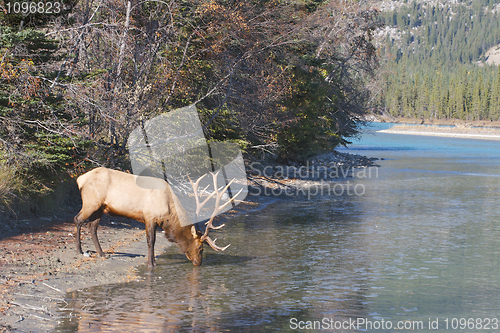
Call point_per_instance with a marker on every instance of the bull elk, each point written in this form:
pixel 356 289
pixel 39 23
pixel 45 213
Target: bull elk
pixel 117 193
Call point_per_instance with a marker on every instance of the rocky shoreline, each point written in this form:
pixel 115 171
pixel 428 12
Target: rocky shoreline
pixel 39 264
pixel 386 118
pixel 468 132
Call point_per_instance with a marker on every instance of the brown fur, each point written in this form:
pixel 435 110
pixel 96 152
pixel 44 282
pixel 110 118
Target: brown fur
pixel 116 193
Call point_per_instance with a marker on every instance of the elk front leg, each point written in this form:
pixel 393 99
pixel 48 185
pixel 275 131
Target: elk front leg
pixel 93 231
pixel 151 238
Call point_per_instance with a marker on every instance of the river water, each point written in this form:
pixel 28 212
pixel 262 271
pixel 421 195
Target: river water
pixel 419 245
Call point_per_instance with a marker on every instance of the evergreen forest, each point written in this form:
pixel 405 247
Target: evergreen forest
pixel 434 54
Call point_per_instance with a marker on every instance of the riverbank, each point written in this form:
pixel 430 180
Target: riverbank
pixel 484 133
pixel 39 264
pixel 386 118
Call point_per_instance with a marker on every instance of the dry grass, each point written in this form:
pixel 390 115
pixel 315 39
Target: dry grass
pixel 11 186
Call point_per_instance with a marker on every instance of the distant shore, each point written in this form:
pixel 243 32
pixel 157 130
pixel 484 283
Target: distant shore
pixel 468 132
pixel 386 118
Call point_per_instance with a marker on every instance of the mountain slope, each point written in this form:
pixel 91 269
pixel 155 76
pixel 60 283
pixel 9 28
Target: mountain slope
pixel 435 59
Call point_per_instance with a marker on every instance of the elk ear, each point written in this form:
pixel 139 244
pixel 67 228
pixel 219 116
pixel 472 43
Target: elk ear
pixel 194 232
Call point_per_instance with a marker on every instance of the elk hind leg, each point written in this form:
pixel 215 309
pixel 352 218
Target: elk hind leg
pixel 93 231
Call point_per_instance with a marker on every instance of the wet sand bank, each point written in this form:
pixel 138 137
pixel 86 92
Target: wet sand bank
pixel 441 131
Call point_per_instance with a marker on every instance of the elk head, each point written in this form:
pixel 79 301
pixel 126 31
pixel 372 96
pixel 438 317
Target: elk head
pixel 193 249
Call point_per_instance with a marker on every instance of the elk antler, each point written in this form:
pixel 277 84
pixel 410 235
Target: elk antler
pixel 218 192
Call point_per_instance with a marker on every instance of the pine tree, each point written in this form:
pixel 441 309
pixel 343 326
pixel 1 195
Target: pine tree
pixel 494 109
pixel 39 141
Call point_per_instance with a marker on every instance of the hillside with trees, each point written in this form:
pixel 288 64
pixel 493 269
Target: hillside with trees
pixel 435 64
pixel 277 77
